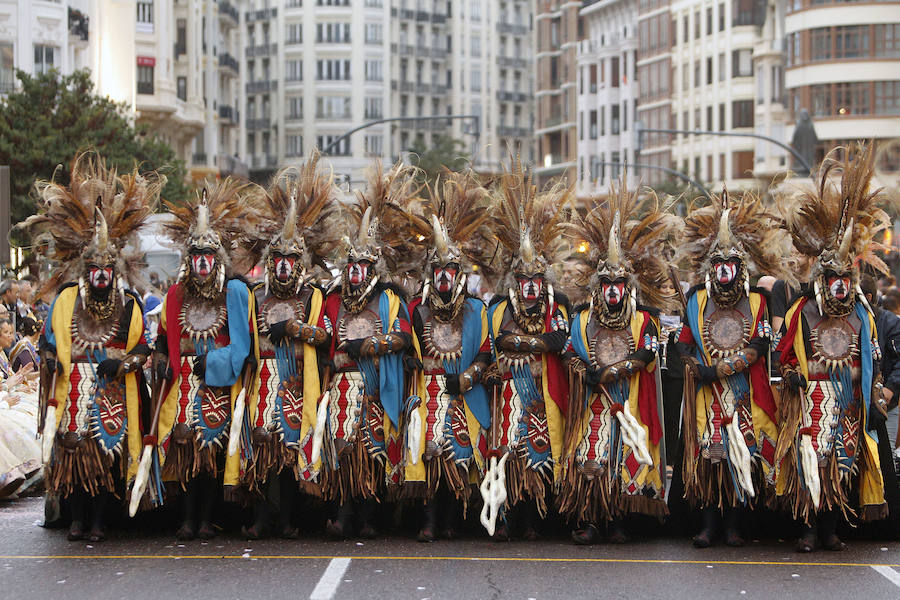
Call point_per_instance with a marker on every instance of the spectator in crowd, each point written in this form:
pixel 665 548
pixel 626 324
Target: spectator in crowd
pixel 9 296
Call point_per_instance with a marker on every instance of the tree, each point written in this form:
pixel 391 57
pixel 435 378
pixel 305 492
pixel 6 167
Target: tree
pixel 445 152
pixel 54 116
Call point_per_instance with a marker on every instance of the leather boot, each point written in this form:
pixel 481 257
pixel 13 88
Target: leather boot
pixel 585 536
pixel 828 522
pixel 367 530
pixel 809 539
pixel 98 509
pixel 339 527
pixel 733 527
pixel 617 533
pixel 429 522
pixel 188 529
pixel 709 517
pixel 208 488
pixel 77 501
pixel 287 499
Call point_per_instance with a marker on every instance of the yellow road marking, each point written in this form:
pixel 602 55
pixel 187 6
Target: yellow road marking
pixel 449 558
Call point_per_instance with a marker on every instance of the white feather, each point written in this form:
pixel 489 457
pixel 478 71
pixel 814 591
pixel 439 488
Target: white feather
pixel 140 480
pixel 237 422
pixel 49 434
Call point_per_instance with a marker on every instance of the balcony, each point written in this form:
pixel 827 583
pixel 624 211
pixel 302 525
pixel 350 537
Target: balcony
pixel 78 25
pixel 262 87
pixel 438 18
pixel 228 11
pixel 423 16
pixel 258 124
pixel 513 63
pixel 403 13
pixel 263 50
pixel 513 132
pixel 265 14
pixel 504 96
pixel 227 61
pixel 227 113
pixel 198 158
pixel 511 28
pixel 403 86
pixel 402 49
pixel 423 88
pixel 145 87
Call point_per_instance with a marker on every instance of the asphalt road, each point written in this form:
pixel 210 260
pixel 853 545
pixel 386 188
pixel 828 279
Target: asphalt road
pixel 148 563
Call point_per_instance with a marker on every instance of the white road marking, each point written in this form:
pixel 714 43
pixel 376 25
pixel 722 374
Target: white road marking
pixel 331 579
pixel 891 575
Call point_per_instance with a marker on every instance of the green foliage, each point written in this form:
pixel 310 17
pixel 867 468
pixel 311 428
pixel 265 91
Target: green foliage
pixel 445 152
pixel 54 116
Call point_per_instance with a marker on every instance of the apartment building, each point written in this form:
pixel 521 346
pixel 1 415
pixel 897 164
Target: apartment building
pixel 654 77
pixel 843 66
pixel 557 32
pixel 607 94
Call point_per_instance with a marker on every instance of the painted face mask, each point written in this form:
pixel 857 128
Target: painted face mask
pixel 284 266
pixel 357 272
pixel 203 263
pixel 445 277
pixel 100 278
pixel 838 285
pixel 530 287
pixel 726 270
pixel 613 292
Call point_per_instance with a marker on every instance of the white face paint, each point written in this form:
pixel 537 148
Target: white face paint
pixel 613 292
pixel 203 264
pixel 530 287
pixel 357 272
pixel 445 278
pixel 284 266
pixel 726 271
pixel 839 286
pixel 100 277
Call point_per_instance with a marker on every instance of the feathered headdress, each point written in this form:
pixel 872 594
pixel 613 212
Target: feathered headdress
pixel 632 239
pixel 531 226
pixel 302 216
pixel 456 210
pixel 838 223
pixel 381 230
pixel 96 219
pixel 224 217
pixel 743 228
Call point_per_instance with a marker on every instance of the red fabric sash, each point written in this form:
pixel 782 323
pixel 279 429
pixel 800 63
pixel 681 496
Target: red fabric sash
pixel 557 381
pixel 648 405
pixel 174 300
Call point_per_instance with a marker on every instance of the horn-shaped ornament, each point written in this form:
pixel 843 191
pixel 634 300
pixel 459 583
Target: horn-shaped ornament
pixel 101 230
pixel 441 239
pixel 843 254
pixel 289 231
pixel 364 236
pixel 202 214
pixel 526 248
pixel 614 253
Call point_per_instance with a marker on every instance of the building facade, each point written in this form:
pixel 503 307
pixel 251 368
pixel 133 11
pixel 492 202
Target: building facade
pixel 557 32
pixel 607 94
pixel 654 76
pixel 843 66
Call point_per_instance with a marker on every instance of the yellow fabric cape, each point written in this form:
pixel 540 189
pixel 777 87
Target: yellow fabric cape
pixel 416 472
pixel 61 323
pixel 871 483
pixel 645 475
pixel 761 421
pixel 169 411
pixel 555 421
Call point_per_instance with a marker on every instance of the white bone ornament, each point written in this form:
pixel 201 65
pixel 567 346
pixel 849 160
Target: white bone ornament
pixel 319 433
pixel 810 468
pixel 493 491
pixel 237 421
pixel 740 456
pixel 634 436
pixel 414 436
pixel 140 480
pixel 49 433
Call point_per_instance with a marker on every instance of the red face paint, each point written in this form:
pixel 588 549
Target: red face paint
pixel 357 272
pixel 839 286
pixel 726 271
pixel 100 277
pixel 203 264
pixel 445 278
pixel 284 266
pixel 613 292
pixel 530 287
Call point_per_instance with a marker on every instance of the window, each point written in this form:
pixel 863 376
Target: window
pixel 180 37
pixel 144 79
pixel 721 66
pixel 293 145
pixel 333 33
pixel 295 107
pixel 342 148
pixel 742 113
pixel 709 70
pixel 44 58
pixel 333 70
pixel 475 10
pixel 332 2
pixel 741 63
pixel 373 107
pixel 697 25
pixel 887 97
pixel 747 12
pixel 181 87
pixel 742 163
pixel 722 116
pixel 614 76
pixel 684 33
pixel 476 80
pixel 852 42
pixel 721 16
pixel 696 73
pixel 614 120
pixel 293 70
pixel 333 107
pixel 887 40
pixel 294 33
pixel 144 16
pixel 709 120
pixel 593 125
pixel 7 68
pixel 374 70
pixel 476 45
pixel 709 21
pixel 374 3
pixel 374 33
pixel 852 98
pixel 374 145
pixel 820 43
pixel 293 3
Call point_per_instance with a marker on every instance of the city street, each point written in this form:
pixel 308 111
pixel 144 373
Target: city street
pixel 40 563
